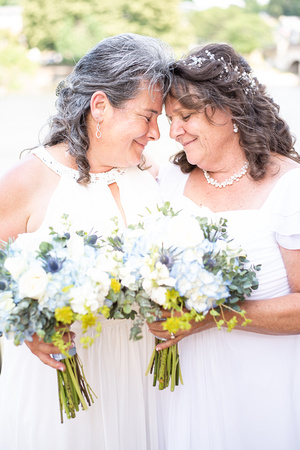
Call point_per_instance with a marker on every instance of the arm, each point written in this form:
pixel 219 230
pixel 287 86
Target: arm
pixel 21 201
pixel 276 316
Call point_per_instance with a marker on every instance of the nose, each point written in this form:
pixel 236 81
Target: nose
pixel 153 133
pixel 176 130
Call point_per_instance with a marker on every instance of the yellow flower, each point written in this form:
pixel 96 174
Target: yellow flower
pixel 64 315
pixel 172 300
pixel 115 285
pixel 86 341
pixel 172 324
pixel 105 311
pixel 88 320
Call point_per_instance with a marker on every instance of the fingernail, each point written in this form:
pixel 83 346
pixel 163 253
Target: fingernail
pixel 158 348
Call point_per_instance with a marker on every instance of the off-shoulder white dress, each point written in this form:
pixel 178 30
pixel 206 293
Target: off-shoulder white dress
pixel 241 390
pixel 124 416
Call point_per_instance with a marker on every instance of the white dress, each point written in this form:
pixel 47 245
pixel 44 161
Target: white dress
pixel 124 415
pixel 241 390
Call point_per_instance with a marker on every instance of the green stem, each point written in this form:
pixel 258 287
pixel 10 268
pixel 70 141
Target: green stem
pixel 163 361
pixel 76 384
pixel 150 365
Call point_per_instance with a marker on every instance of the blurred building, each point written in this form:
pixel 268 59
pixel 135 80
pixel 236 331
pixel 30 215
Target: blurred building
pixel 286 53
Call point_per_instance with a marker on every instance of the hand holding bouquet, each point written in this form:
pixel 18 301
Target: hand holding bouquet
pixel 46 283
pixel 188 266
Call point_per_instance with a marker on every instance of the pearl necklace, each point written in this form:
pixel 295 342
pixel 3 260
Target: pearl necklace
pixel 229 181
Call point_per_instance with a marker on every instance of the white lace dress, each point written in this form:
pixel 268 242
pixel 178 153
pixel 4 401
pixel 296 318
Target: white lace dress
pixel 241 390
pixel 124 416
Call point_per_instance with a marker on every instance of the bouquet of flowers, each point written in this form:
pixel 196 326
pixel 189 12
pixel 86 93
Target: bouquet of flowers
pixel 183 264
pixel 46 283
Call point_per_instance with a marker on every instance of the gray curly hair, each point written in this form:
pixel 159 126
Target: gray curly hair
pixel 117 66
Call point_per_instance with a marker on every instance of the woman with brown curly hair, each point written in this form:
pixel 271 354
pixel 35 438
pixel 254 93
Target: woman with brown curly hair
pixel 241 389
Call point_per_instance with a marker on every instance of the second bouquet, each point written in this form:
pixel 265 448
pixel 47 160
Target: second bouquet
pixel 183 264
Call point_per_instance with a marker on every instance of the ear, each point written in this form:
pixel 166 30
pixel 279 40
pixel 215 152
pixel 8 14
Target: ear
pixel 98 105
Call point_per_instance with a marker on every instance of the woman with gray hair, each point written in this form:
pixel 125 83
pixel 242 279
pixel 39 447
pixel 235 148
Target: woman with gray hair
pixel 88 168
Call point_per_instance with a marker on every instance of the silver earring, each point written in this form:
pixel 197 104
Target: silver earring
pixel 98 131
pixel 235 128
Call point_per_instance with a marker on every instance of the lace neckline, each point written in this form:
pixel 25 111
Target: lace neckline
pixel 109 177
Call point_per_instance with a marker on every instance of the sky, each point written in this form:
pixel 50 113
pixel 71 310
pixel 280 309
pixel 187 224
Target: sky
pixel 205 4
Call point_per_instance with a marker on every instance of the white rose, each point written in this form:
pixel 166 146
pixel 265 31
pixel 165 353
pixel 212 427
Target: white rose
pixel 183 231
pixel 33 283
pixel 16 265
pixel 158 295
pixel 104 282
pixel 6 301
pixel 108 263
pixel 147 286
pixel 84 297
pixel 163 275
pixel 75 246
pixel 30 242
pixel 126 276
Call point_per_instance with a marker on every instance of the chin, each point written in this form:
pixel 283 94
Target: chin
pixel 192 161
pixel 134 161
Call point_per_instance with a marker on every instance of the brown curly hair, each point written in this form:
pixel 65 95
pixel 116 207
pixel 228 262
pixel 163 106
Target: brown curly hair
pixel 217 76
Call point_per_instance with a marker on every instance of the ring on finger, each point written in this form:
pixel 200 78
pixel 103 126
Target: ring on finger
pixel 173 336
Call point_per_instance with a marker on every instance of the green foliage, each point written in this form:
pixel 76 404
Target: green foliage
pixel 245 30
pixel 15 66
pixel 252 6
pixel 72 27
pixel 9 2
pixel 278 8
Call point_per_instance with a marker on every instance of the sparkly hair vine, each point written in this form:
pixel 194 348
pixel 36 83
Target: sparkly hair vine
pixel 243 77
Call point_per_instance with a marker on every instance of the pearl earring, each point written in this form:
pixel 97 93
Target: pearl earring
pixel 235 128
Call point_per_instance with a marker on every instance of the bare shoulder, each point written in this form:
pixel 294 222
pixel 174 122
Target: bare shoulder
pixel 21 189
pixel 23 178
pixel 25 174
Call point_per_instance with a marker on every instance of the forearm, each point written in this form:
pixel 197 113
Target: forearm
pixel 277 316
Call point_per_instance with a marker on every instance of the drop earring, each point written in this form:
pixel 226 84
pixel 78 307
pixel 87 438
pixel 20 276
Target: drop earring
pixel 98 131
pixel 235 128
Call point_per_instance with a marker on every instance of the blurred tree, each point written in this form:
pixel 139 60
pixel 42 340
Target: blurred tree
pixel 15 67
pixel 72 27
pixel 278 8
pixel 246 31
pixel 9 2
pixel 252 6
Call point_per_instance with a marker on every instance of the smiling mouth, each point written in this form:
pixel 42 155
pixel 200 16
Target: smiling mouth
pixel 141 145
pixel 185 144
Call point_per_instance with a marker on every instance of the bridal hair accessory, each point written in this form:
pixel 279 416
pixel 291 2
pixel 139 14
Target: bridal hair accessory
pixel 229 181
pixel 62 85
pixel 243 77
pixel 98 131
pixel 235 128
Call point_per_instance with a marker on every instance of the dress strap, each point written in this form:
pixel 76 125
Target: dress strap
pixel 112 176
pixel 54 165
